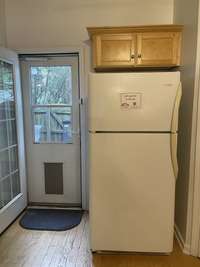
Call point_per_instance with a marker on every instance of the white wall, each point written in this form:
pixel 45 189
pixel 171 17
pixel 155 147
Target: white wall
pixel 186 13
pixel 2 23
pixel 32 24
pixel 50 23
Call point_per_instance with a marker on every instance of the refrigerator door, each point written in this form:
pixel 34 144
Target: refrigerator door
pixel 132 188
pixel 133 101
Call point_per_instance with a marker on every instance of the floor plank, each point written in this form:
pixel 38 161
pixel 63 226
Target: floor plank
pixel 25 248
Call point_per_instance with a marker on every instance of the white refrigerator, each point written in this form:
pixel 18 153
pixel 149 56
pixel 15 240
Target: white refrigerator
pixel 133 124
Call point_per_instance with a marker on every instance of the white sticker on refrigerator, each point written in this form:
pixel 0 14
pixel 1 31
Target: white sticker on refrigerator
pixel 130 100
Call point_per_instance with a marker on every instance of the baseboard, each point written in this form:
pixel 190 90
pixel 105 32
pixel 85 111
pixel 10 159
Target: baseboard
pixel 185 247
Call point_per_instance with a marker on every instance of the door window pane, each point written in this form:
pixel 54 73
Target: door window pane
pixel 12 132
pixel 13 159
pixel 15 184
pixel 1 195
pixel 6 191
pixel 52 104
pixel 9 187
pixel 51 85
pixel 8 86
pixel 7 101
pixel 2 95
pixel 40 120
pixel 4 163
pixel 60 125
pixel 2 102
pixel 3 135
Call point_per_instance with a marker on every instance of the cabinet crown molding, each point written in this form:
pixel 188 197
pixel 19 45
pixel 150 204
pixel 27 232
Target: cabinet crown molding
pixel 129 29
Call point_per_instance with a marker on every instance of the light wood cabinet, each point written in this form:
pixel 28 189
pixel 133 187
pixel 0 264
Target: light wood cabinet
pixel 158 49
pixel 111 50
pixel 136 47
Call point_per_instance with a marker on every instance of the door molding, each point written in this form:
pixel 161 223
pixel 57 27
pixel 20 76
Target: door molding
pixel 80 51
pixel 192 242
pixel 193 223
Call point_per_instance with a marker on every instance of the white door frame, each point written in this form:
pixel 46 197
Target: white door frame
pixel 80 51
pixel 192 242
pixel 193 223
pixel 19 203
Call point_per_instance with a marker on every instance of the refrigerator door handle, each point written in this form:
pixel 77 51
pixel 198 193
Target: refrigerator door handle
pixel 174 122
pixel 174 129
pixel 174 154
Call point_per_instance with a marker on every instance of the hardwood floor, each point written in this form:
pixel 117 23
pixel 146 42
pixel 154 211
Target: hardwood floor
pixel 24 248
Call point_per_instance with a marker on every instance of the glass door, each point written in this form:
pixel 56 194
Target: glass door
pixel 12 168
pixel 50 85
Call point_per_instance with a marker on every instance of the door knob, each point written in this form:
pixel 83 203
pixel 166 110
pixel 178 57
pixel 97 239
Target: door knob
pixel 132 56
pixel 139 56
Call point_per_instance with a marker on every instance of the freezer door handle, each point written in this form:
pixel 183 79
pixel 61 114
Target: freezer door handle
pixel 174 122
pixel 174 154
pixel 174 129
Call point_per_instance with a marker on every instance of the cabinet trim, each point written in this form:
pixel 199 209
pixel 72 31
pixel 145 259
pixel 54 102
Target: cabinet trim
pixel 134 29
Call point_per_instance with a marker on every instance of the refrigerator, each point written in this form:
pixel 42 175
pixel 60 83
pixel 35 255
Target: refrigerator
pixel 133 127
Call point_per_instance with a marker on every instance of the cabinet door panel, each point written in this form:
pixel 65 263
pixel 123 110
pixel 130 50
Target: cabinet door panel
pixel 158 49
pixel 114 50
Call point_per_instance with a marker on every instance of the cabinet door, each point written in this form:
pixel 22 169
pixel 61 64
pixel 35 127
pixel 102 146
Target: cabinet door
pixel 158 49
pixel 113 50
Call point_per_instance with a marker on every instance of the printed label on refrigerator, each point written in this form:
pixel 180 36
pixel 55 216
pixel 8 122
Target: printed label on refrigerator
pixel 130 100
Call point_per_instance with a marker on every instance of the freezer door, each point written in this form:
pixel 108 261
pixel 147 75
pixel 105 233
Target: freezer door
pixel 133 101
pixel 132 188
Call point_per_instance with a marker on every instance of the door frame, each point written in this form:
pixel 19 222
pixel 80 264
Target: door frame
pixel 193 220
pixel 83 147
pixel 18 203
pixel 191 244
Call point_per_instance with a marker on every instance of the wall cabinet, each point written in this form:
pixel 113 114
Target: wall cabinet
pixel 111 50
pixel 136 47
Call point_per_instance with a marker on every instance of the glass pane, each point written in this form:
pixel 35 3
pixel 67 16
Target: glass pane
pixel 2 93
pixel 51 85
pixel 2 104
pixel 3 135
pixel 4 163
pixel 6 191
pixel 1 194
pixel 8 86
pixel 12 132
pixel 52 125
pixel 40 118
pixel 61 125
pixel 13 159
pixel 15 184
pixel 8 136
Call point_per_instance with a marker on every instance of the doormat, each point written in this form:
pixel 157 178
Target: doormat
pixel 51 219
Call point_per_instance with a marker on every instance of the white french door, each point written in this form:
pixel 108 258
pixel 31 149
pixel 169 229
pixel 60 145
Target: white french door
pixel 13 195
pixel 51 100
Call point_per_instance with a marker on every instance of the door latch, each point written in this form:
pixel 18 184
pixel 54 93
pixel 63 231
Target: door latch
pixel 81 101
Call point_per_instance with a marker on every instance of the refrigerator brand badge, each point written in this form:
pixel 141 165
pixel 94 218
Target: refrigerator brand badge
pixel 130 100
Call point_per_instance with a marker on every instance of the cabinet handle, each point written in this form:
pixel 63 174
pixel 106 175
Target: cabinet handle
pixel 132 56
pixel 139 56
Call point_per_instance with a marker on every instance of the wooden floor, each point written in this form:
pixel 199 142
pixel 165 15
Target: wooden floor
pixel 25 248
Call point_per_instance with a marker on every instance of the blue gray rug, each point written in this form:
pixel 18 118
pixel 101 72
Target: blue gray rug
pixel 51 219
